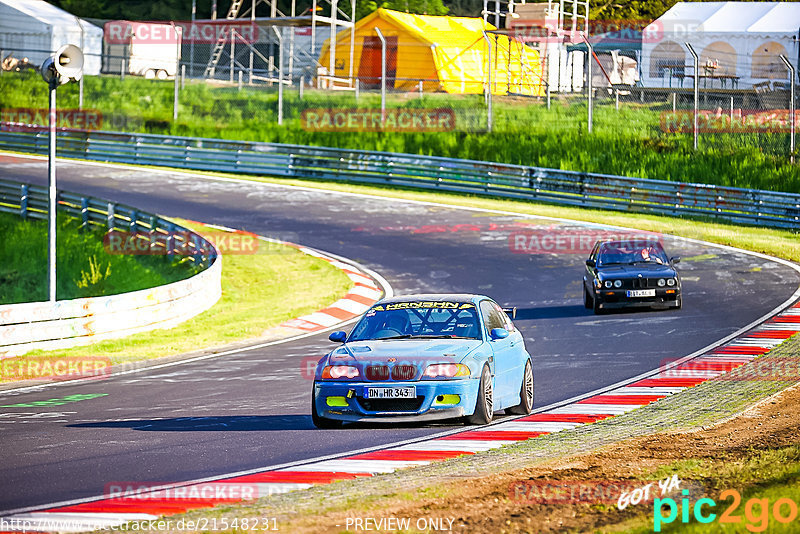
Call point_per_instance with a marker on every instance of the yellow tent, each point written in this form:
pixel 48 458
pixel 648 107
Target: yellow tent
pixel 445 53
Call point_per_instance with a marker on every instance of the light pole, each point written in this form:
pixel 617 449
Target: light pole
pixel 65 66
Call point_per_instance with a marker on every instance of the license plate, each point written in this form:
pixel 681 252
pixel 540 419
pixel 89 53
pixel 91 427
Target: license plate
pixel 405 392
pixel 641 293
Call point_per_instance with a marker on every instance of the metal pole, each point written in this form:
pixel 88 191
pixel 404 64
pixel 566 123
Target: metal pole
pixel 696 64
pixel 489 92
pixel 233 54
pixel 51 205
pixel 183 76
pixel 420 89
pixel 616 99
pixel 383 74
pixel 122 70
pixel 191 34
pixel 674 102
pixel 80 82
pixel 280 75
pixel 302 83
pixel 252 24
pixel 791 106
pixel 548 94
pixel 240 80
pixel 590 115
pixel 358 88
pixel 731 112
pixel 177 71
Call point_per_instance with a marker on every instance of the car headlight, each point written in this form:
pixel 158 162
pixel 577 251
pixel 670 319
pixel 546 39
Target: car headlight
pixel 608 284
pixel 445 370
pixel 671 282
pixel 339 371
pixel 617 283
pixel 661 282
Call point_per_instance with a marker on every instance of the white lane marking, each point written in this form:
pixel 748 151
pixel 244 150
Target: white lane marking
pixel 596 409
pixel 764 343
pixel 350 306
pixel 365 292
pixel 320 318
pixel 644 390
pixel 533 426
pixel 359 279
pixel 468 445
pixel 360 466
pixel 266 489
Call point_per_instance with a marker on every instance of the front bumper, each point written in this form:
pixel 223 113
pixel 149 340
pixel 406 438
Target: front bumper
pixel 434 401
pixel 618 298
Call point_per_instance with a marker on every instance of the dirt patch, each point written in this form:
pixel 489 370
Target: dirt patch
pixel 518 501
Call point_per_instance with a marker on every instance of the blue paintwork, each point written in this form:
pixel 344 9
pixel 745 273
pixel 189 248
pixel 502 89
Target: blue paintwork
pixel 502 350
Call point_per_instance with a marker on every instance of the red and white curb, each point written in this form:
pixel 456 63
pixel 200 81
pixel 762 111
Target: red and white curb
pixel 358 300
pixel 154 503
pixel 364 293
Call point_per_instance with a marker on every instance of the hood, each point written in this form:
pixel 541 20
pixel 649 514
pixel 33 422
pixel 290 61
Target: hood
pixel 647 270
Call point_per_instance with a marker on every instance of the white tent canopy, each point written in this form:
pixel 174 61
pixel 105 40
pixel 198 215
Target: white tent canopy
pixel 35 29
pixel 739 43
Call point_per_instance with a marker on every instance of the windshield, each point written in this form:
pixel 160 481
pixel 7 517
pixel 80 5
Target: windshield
pixel 629 252
pixel 418 320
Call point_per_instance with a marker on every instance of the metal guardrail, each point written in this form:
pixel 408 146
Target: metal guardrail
pixel 65 323
pixel 589 190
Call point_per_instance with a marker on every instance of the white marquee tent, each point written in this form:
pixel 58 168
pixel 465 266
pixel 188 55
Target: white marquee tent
pixel 739 43
pixel 35 29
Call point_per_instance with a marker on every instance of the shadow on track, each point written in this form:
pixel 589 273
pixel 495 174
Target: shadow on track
pixel 234 423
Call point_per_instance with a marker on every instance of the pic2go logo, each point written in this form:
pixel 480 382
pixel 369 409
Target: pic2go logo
pixel 756 511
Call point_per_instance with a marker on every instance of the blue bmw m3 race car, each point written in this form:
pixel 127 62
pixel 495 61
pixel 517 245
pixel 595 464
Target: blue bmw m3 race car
pixel 425 357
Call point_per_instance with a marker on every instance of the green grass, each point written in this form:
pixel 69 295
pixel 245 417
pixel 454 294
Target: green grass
pixel 83 267
pixel 259 291
pixel 626 142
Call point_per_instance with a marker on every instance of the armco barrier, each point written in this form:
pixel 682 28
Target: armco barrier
pixel 66 323
pixel 749 206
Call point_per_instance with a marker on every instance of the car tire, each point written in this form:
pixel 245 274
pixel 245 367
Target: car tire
pixel 322 422
pixel 596 306
pixel 525 405
pixel 485 400
pixel 588 301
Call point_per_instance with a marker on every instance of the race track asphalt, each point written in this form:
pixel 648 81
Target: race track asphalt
pixel 251 409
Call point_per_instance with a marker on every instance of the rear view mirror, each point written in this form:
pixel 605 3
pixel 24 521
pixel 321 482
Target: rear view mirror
pixel 675 259
pixel 338 337
pixel 590 263
pixel 499 333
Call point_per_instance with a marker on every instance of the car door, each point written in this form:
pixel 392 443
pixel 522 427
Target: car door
pixel 590 271
pixel 503 354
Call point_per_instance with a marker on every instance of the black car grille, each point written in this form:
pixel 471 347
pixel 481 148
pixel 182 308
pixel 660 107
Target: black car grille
pixel 403 372
pixel 377 372
pixel 644 283
pixel 391 405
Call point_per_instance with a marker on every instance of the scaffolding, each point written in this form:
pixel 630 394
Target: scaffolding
pixel 323 13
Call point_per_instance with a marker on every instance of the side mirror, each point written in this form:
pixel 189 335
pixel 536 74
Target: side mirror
pixel 590 263
pixel 675 259
pixel 338 337
pixel 498 333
